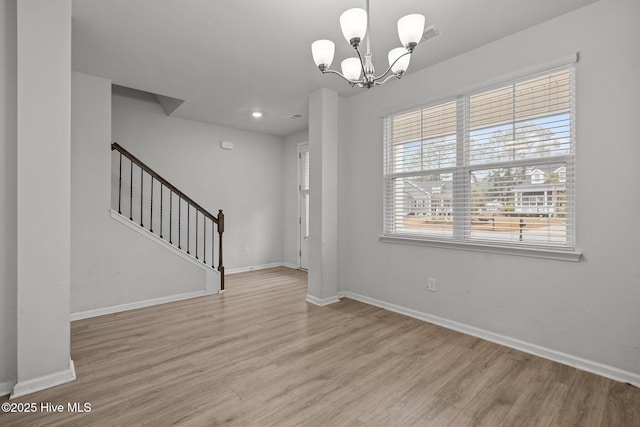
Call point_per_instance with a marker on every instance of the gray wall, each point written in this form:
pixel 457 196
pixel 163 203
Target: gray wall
pixel 245 182
pixel 8 195
pixel 587 309
pixel 110 264
pixel 290 197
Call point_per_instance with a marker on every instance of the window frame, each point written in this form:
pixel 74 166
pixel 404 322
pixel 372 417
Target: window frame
pixel 461 197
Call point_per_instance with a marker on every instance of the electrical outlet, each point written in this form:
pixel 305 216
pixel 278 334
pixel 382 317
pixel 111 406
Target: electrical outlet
pixel 246 250
pixel 431 284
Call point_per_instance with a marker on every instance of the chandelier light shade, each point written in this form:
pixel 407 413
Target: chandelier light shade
pixel 410 29
pixel 354 25
pixel 351 68
pixel 359 71
pixel 323 51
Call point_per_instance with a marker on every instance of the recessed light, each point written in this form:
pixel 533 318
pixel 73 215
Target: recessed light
pixel 256 114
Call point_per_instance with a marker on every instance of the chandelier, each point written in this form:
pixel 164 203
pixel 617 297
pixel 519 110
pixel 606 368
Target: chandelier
pixel 359 71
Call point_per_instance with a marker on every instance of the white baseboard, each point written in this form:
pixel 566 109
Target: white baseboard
pixel 289 265
pixel 322 301
pixel 547 353
pixel 213 287
pixel 134 305
pixel 258 267
pixel 47 381
pixel 6 387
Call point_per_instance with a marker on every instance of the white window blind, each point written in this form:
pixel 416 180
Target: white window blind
pixel 304 171
pixel 490 167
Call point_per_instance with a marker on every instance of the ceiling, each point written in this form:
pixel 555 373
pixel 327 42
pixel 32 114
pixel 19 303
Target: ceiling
pixel 226 59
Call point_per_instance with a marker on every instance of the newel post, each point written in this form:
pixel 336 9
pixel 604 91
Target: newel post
pixel 220 231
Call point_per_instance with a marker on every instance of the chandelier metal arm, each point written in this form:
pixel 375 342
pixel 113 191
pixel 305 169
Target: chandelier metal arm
pixel 397 76
pixel 328 71
pixel 364 73
pixel 364 81
pixel 375 79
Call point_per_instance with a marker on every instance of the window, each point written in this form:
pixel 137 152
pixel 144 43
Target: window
pixel 491 168
pixel 304 169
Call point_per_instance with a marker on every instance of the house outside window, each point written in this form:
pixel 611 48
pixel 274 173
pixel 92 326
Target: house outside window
pixel 493 167
pixel 537 177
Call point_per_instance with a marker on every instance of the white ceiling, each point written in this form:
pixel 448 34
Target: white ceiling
pixel 228 58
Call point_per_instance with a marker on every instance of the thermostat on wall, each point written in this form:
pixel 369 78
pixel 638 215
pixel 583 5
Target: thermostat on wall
pixel 226 145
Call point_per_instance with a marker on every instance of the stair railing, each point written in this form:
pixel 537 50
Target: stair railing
pixel 193 210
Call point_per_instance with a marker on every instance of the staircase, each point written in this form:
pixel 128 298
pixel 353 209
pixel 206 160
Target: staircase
pixel 157 206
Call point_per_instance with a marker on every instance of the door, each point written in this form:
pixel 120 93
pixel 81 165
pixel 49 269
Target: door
pixel 303 217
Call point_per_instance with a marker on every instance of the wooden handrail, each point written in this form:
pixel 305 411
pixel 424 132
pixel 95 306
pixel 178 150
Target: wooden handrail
pixel 156 175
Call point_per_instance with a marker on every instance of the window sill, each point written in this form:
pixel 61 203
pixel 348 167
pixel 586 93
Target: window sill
pixel 556 254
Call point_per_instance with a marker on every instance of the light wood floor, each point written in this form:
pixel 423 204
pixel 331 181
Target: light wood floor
pixel 260 355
